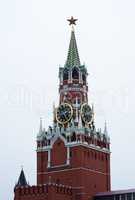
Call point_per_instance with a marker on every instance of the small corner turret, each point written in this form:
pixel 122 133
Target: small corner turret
pixel 22 182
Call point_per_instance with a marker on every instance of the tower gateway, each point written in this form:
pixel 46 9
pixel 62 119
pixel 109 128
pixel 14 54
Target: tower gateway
pixel 73 157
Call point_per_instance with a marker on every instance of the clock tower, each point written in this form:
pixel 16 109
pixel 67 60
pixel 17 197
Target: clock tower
pixel 73 152
pixel 73 157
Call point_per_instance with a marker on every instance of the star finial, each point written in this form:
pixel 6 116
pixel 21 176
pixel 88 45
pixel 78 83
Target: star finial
pixel 72 21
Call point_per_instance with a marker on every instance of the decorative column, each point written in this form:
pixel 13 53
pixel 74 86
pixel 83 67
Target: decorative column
pixel 68 155
pixel 80 77
pixel 70 74
pixel 61 78
pixel 49 158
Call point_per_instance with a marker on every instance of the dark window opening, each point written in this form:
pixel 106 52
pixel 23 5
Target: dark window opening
pixel 84 78
pixel 73 138
pixel 65 75
pixel 129 196
pixel 117 197
pixel 75 74
pixel 123 197
pixel 79 100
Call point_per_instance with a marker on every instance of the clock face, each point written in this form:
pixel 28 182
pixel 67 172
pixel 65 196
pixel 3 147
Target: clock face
pixel 64 113
pixel 86 113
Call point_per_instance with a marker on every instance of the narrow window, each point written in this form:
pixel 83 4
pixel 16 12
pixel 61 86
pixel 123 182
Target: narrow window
pixel 75 73
pixel 84 78
pixel 65 75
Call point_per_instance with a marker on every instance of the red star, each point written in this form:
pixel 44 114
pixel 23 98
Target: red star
pixel 72 21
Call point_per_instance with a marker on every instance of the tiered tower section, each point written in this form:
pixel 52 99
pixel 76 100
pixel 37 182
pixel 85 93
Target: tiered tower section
pixel 73 77
pixel 73 152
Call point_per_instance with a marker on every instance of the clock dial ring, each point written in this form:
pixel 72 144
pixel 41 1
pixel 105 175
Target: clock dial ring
pixel 86 113
pixel 64 113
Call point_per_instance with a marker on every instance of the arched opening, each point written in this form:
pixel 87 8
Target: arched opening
pixel 65 75
pixel 73 137
pixel 84 78
pixel 58 153
pixel 75 73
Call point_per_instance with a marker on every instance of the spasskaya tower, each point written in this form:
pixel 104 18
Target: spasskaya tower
pixel 73 157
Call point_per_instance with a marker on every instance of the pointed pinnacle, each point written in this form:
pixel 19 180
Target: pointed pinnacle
pixel 80 122
pixel 105 129
pixel 40 128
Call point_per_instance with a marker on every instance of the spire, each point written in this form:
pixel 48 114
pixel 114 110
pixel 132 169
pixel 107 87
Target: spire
pixel 40 127
pixel 54 111
pixel 22 180
pixel 93 111
pixel 73 55
pixel 40 132
pixel 106 133
pixel 105 129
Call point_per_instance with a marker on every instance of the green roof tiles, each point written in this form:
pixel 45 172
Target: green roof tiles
pixel 73 55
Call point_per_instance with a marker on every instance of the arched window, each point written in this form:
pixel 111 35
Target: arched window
pixel 75 73
pixel 73 138
pixel 65 75
pixel 84 78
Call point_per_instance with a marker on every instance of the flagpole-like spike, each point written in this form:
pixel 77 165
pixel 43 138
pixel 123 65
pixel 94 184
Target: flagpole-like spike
pixel 105 129
pixel 40 127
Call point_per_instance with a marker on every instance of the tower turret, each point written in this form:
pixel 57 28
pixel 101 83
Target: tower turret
pixel 73 76
pixel 21 180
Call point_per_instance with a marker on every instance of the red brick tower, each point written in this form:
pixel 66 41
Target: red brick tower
pixel 72 153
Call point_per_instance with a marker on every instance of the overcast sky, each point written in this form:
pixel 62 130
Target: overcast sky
pixel 34 39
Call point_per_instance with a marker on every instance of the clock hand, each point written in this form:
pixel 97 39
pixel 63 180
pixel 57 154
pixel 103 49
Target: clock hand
pixel 63 115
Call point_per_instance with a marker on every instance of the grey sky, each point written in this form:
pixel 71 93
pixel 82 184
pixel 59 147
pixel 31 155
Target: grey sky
pixel 34 39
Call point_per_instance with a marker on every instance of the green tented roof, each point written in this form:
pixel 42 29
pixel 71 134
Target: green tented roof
pixel 73 55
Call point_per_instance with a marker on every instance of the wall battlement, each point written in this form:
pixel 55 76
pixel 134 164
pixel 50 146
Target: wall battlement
pixel 43 189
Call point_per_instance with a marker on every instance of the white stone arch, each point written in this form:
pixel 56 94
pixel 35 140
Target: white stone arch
pixel 55 139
